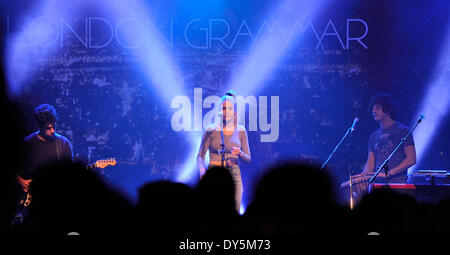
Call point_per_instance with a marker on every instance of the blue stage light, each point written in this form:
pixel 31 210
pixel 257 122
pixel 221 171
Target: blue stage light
pixel 435 104
pixel 157 63
pixel 37 37
pixel 269 48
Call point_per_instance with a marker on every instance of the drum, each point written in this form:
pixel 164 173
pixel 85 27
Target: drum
pixel 356 188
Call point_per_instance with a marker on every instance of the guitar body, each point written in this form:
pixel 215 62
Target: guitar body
pixel 22 208
pixel 26 200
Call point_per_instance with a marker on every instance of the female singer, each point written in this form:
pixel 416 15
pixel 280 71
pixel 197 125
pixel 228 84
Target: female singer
pixel 233 137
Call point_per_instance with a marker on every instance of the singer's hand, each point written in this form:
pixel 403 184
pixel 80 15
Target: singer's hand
pixel 236 151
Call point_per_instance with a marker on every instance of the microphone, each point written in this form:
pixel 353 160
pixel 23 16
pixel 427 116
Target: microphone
pixel 354 124
pixel 421 117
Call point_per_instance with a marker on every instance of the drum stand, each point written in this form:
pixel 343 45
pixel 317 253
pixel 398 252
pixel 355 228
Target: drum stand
pixel 353 195
pixel 351 192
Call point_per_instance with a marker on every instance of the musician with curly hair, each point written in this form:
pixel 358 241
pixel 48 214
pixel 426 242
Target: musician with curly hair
pixel 44 145
pixel 385 139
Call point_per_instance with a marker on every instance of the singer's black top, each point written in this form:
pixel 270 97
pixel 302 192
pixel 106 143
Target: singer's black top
pixel 383 142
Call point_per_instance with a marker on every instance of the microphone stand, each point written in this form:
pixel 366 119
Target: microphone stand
pixel 222 146
pixel 223 154
pixel 352 202
pixel 385 166
pixel 349 131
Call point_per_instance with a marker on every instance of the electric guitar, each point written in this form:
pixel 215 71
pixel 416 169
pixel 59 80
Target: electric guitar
pixel 103 163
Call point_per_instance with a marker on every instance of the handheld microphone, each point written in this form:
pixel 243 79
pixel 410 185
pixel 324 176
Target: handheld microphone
pixel 354 124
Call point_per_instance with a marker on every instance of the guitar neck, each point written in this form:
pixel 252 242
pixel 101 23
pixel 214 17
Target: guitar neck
pixel 102 163
pixel 90 166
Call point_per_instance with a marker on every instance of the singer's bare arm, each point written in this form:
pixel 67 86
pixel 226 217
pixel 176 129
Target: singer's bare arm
pixel 202 152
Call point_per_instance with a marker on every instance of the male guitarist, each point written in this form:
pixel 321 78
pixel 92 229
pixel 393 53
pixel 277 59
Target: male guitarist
pixel 43 146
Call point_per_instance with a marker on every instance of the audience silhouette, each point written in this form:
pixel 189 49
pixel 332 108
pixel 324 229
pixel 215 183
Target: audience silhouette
pixel 291 198
pixel 215 199
pixel 295 198
pixel 165 208
pixel 387 212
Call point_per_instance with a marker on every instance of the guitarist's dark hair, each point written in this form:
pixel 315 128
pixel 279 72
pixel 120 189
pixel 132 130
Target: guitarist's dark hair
pixel 45 114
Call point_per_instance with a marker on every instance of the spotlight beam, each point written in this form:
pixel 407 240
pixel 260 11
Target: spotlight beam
pixel 154 57
pixel 158 66
pixel 435 104
pixel 35 40
pixel 262 58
